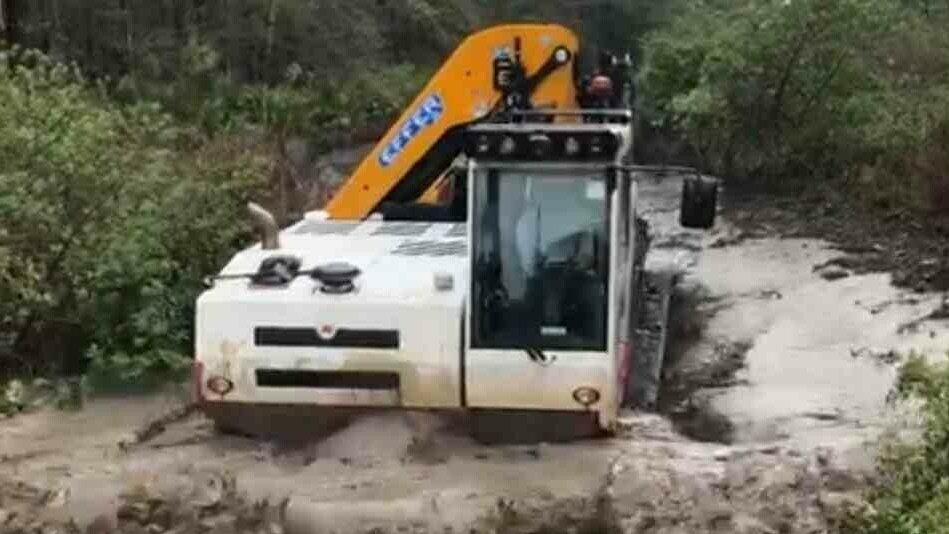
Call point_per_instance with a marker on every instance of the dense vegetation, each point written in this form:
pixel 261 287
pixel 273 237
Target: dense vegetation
pixel 315 68
pixel 805 91
pixel 912 494
pixel 109 217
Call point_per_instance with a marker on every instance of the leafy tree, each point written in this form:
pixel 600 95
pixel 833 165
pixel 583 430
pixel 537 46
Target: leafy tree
pixel 761 88
pixel 822 89
pixel 108 225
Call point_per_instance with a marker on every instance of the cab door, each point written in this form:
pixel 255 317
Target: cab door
pixel 539 328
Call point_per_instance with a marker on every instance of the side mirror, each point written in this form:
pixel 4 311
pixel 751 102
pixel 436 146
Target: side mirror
pixel 699 202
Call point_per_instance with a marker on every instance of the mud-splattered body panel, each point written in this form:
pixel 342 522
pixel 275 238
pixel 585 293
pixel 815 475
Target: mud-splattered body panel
pixel 394 340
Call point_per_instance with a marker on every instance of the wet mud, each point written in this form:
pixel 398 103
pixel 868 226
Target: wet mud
pixel 774 392
pixel 650 479
pixel 783 339
pixel 910 245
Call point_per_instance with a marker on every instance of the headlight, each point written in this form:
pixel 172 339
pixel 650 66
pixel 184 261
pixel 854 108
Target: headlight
pixel 540 145
pixel 220 385
pixel 508 146
pixel 586 396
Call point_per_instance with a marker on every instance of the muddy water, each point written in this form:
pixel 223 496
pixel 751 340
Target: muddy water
pixel 800 386
pixel 812 375
pixel 820 353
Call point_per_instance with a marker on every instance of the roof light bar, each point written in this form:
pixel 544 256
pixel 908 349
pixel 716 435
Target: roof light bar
pixel 508 146
pixel 543 145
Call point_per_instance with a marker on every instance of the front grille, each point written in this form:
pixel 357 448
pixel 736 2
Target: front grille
pixel 431 247
pixel 344 338
pixel 278 378
pixel 402 229
pixel 327 228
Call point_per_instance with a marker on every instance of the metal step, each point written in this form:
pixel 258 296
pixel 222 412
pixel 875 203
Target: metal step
pixel 649 340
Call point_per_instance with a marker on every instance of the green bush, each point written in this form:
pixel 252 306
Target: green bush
pixel 912 495
pixel 324 112
pixel 766 88
pixel 112 211
pixel 808 89
pixel 110 218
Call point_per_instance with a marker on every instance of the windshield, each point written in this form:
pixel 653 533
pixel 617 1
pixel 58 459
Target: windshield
pixel 541 256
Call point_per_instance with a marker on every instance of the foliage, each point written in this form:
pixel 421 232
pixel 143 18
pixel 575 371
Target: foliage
pixel 215 60
pixel 306 105
pixel 764 88
pixel 17 396
pixel 110 219
pixel 913 493
pixel 253 41
pixel 808 89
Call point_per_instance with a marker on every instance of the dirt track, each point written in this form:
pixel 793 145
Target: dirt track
pixel 778 396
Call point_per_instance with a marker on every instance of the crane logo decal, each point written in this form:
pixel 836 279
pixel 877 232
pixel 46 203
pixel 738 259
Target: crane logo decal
pixel 427 114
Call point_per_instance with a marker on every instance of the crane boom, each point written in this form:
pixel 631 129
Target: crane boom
pixel 534 65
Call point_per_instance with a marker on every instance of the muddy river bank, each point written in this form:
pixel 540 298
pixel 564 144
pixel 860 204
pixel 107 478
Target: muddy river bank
pixel 774 399
pixel 649 479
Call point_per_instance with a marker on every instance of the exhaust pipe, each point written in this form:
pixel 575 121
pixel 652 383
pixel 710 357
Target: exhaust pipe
pixel 267 225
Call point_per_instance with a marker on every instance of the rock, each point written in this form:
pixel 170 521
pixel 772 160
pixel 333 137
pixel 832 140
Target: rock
pixel 727 240
pixel 837 502
pixel 134 512
pixel 162 515
pixel 823 416
pixel 57 498
pixel 838 480
pixel 834 273
pixel 6 516
pixel 209 493
pixel 719 518
pixel 779 478
pixel 883 356
pixel 769 450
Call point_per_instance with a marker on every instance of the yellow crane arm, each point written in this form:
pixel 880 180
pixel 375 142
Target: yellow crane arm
pixel 507 66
